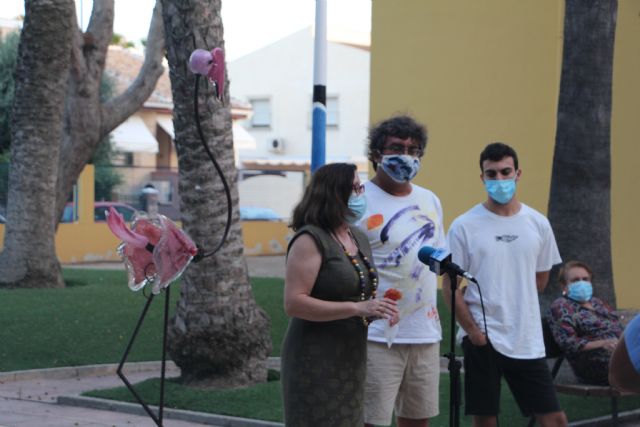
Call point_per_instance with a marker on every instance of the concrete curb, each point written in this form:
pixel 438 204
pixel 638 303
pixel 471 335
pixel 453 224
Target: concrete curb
pixel 98 370
pixel 82 371
pixel 606 420
pixel 168 413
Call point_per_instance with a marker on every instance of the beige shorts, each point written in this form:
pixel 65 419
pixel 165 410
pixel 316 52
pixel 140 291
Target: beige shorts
pixel 405 377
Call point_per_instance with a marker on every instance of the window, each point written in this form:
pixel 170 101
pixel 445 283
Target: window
pixel 332 111
pixel 122 158
pixel 261 113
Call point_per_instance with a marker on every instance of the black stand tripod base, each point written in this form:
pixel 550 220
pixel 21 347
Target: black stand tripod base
pixel 156 419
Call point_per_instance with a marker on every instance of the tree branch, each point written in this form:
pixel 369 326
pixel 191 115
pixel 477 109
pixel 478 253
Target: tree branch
pixel 116 110
pixel 101 23
pixel 78 66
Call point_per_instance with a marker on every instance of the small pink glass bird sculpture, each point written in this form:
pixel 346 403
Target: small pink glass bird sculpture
pixel 211 65
pixel 155 251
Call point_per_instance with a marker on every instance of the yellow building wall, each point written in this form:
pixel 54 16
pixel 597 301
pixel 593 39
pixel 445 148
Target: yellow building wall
pixel 88 241
pixel 479 72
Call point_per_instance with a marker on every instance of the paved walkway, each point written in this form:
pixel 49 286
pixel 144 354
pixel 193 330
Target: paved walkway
pixel 258 266
pixel 51 398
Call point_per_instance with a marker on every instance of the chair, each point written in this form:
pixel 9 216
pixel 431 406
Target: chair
pixel 553 351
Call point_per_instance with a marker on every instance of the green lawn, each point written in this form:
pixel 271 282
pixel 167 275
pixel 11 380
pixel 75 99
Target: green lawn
pixel 91 321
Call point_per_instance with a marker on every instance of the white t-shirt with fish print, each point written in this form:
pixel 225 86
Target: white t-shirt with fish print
pixel 397 227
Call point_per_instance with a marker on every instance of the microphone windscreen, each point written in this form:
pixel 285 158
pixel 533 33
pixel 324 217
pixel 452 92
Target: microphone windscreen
pixel 424 254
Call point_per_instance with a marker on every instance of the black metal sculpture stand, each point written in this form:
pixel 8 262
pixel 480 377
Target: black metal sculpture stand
pixel 157 419
pixel 454 364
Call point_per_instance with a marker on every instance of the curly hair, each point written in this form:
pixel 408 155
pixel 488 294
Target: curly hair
pixel 325 202
pixel 399 126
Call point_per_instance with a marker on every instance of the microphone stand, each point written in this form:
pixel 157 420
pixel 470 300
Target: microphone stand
pixel 454 364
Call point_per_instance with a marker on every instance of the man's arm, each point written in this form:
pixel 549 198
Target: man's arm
pixel 542 278
pixel 463 315
pixel 624 366
pixel 622 374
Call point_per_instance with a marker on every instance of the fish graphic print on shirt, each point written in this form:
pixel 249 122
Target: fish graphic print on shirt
pixel 397 227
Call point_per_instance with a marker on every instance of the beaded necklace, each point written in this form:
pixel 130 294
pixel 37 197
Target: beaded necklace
pixel 373 275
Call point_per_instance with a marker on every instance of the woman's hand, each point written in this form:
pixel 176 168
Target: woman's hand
pixel 394 320
pixel 610 344
pixel 384 308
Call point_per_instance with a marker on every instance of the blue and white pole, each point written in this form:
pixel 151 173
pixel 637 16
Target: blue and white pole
pixel 319 123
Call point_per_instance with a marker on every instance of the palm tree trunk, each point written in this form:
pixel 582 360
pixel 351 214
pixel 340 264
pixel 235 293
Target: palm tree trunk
pixel 29 258
pixel 219 336
pixel 580 199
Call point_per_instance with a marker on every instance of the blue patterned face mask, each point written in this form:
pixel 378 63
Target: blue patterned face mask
pixel 358 206
pixel 580 291
pixel 501 190
pixel 400 167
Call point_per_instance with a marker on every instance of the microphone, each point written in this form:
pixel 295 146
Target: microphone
pixel 439 261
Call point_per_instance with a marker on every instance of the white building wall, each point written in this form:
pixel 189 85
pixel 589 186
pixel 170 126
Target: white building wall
pixel 283 73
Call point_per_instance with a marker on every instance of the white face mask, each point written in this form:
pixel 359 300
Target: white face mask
pixel 400 167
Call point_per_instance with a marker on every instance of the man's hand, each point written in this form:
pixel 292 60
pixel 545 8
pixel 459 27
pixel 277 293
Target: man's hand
pixel 478 338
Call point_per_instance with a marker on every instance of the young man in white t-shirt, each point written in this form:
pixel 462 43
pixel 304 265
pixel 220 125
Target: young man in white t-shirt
pixel 403 362
pixel 509 248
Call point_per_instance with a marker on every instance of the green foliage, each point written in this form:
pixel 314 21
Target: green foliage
pixel 4 180
pixel 106 177
pixel 120 40
pixel 107 87
pixel 8 60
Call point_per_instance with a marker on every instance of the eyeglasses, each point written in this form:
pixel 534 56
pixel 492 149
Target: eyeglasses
pixel 358 189
pixel 402 149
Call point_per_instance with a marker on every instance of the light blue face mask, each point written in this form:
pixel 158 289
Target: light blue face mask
pixel 580 291
pixel 358 206
pixel 400 167
pixel 501 190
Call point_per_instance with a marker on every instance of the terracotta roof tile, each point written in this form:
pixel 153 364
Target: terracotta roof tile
pixel 123 66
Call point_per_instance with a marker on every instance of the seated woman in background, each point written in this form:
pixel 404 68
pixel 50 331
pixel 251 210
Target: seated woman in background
pixel 585 327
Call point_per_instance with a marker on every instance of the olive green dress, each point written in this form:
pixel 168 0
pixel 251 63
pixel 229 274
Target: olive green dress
pixel 323 364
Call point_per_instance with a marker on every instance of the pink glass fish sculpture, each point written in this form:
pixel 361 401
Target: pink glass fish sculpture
pixel 154 250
